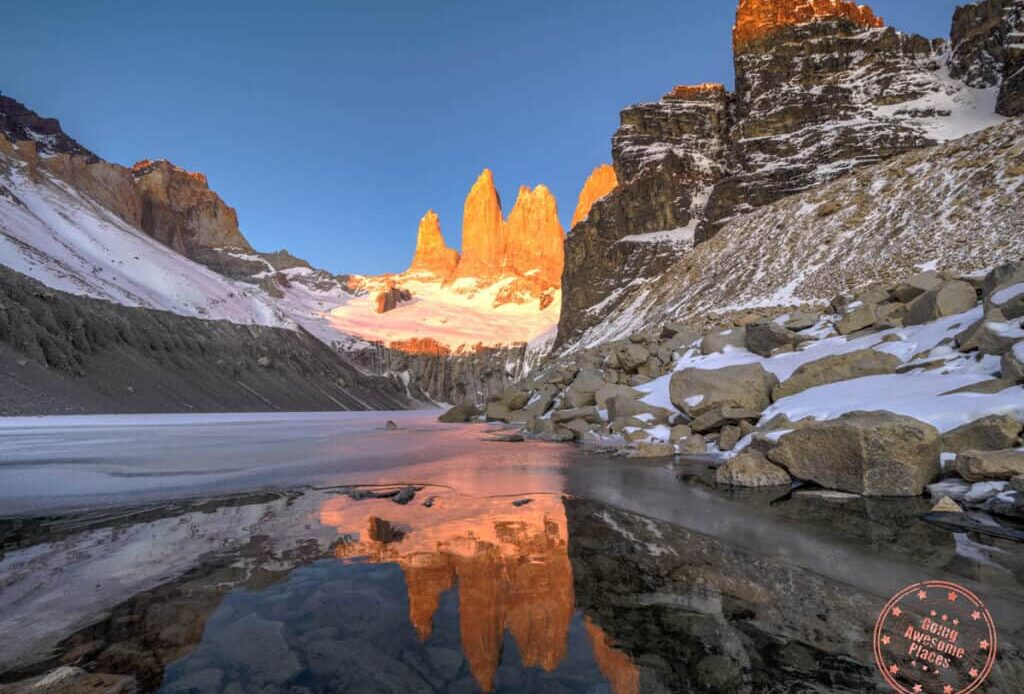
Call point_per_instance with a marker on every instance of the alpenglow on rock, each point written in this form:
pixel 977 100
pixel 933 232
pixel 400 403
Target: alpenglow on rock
pixel 757 19
pixel 535 238
pixel 483 231
pixel 601 181
pixel 433 256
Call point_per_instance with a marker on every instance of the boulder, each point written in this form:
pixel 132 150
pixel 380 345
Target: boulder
pixel 948 299
pixel 693 445
pixel 679 432
pixel 991 335
pixel 496 411
pixel 515 398
pixel 870 453
pixel 915 286
pixel 1017 482
pixel 696 391
pixel 1002 276
pixel 579 427
pixel 980 492
pixel 890 316
pixel 992 433
pixel 459 414
pixel 765 338
pixel 644 449
pixel 801 320
pixel 624 406
pixel 588 414
pixel 751 469
pixel 676 336
pixel 581 391
pixel 729 437
pixel 632 356
pixel 859 318
pixel 946 505
pixel 718 340
pixel 977 466
pixel 835 368
pixel 541 400
pixel 611 390
pixel 1013 364
pixel 875 294
pixel 718 417
pixel 1008 299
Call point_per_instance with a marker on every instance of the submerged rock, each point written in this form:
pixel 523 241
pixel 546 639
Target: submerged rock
pixel 946 505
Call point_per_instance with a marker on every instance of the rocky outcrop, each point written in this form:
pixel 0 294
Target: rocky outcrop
pixel 535 238
pixel 433 256
pixel 987 50
pixel 483 231
pixel 822 88
pixel 18 123
pixel 602 180
pixel 390 299
pixel 180 210
pixel 760 19
pixel 66 354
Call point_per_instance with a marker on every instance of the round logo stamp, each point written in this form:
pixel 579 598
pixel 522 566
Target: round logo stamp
pixel 935 637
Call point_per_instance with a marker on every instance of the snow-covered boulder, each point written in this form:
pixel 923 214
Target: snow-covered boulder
pixel 696 391
pixel 835 368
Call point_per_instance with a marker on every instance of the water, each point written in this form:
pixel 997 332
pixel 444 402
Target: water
pixel 261 554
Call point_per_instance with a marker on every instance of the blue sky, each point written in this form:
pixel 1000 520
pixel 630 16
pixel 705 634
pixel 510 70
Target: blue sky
pixel 333 125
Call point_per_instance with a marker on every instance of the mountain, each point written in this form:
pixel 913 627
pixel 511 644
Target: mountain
pixel 602 180
pixel 822 88
pixel 432 255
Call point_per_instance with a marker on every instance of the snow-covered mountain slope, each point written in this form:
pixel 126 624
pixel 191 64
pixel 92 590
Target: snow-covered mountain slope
pixel 956 206
pixel 52 233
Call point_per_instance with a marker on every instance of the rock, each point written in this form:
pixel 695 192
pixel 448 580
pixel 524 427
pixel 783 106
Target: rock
pixel 992 433
pixel 496 411
pixel 1002 276
pixel 953 487
pixel 861 317
pixel 521 502
pixel 756 21
pixel 801 320
pixel 747 386
pixel 390 299
pixel 990 335
pixel 976 466
pixel 890 316
pixel 986 387
pixel 601 181
pixel 460 413
pixel 679 432
pixel 587 414
pixel 611 390
pixel 391 426
pixel 433 256
pixel 1012 365
pixel 947 505
pixel 1017 482
pixel 717 341
pixel 535 247
pixel 1008 503
pixel 623 406
pixel 645 449
pixel 579 427
pixel 582 390
pixel 948 299
pixel 515 398
pixel 835 368
pixel 751 469
pixel 405 495
pixel 717 417
pixel 693 445
pixel 764 338
pixel 729 437
pixel 980 492
pixel 870 453
pixel 676 335
pixel 1008 299
pixel 917 285
pixel 484 238
pixel 632 356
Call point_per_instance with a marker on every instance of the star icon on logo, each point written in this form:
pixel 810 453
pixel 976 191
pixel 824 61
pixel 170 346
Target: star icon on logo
pixel 973 672
pixel 886 640
pixel 975 615
pixel 896 611
pixel 983 645
pixel 917 688
pixel 921 595
pixel 894 669
pixel 952 596
pixel 947 690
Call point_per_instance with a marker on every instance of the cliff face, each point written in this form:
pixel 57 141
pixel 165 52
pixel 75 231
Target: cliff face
pixel 483 231
pixel 432 254
pixel 535 238
pixel 601 181
pixel 821 89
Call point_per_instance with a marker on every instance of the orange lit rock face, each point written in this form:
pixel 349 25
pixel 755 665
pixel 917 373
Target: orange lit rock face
pixel 601 181
pixel 535 238
pixel 483 231
pixel 757 19
pixel 511 567
pixel 708 91
pixel 433 255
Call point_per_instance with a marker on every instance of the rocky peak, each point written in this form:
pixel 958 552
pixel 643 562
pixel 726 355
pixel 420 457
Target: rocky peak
pixel 18 123
pixel 433 255
pixel 180 210
pixel 759 19
pixel 535 237
pixel 601 181
pixel 988 50
pixel 483 231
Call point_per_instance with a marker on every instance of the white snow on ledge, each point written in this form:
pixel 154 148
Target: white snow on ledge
pixel 681 236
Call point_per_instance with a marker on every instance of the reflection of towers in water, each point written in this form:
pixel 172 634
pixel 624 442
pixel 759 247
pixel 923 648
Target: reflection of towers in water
pixel 512 570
